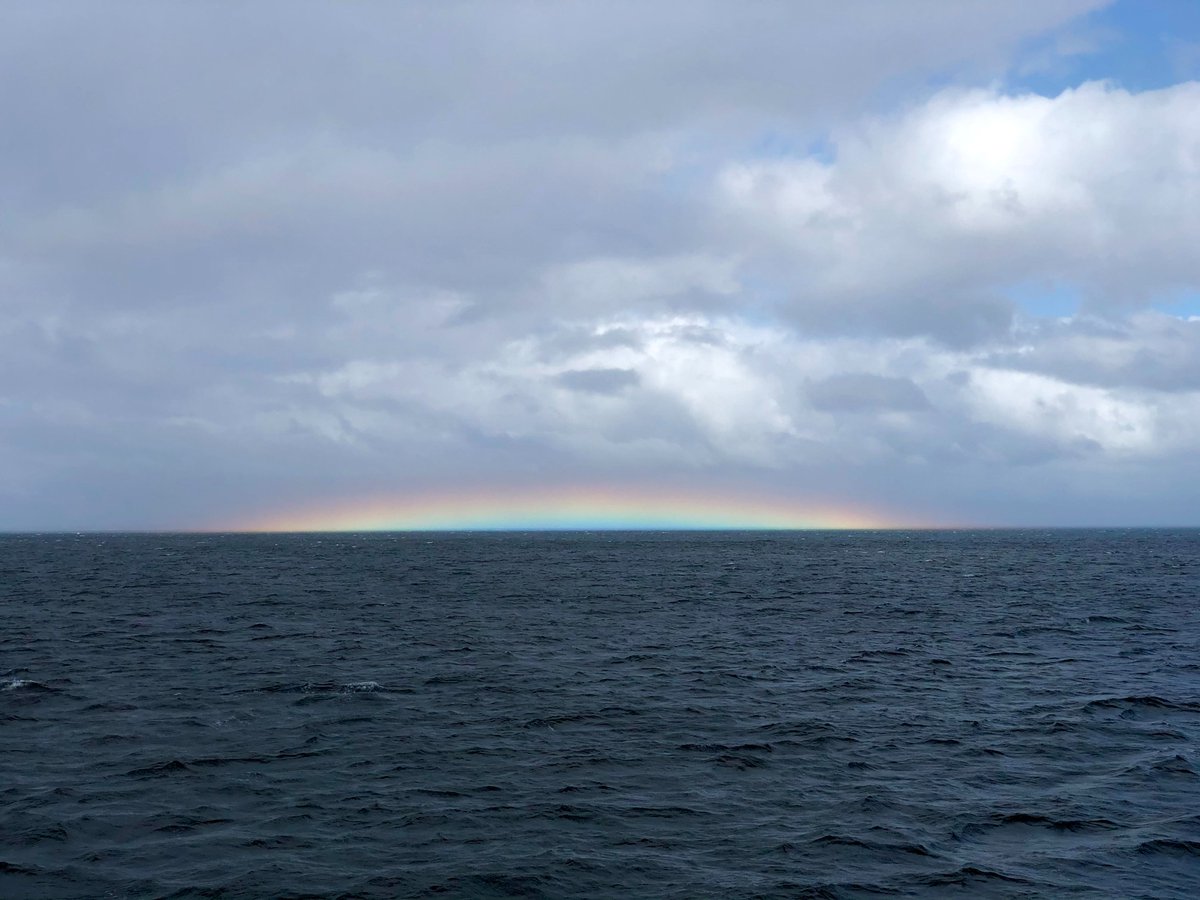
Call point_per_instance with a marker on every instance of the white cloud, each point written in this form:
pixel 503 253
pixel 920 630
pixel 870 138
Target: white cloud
pixel 947 206
pixel 1072 416
pixel 631 283
pixel 717 391
pixel 518 239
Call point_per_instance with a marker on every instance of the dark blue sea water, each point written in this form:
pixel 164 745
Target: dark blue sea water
pixel 928 714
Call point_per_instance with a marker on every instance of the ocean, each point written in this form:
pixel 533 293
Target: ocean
pixel 717 714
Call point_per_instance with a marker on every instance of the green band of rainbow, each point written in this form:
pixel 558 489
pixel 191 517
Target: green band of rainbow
pixel 583 508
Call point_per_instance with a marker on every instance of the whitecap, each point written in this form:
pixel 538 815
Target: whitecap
pixel 362 686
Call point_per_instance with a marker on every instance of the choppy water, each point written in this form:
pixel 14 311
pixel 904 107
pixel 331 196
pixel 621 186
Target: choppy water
pixel 1004 714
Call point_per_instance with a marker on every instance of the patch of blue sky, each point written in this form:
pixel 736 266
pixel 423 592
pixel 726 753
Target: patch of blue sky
pixel 1049 300
pixel 1138 45
pixel 1057 300
pixel 1181 303
pixel 776 144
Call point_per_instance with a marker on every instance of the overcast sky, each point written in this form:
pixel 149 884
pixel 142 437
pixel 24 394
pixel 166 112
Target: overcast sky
pixel 934 257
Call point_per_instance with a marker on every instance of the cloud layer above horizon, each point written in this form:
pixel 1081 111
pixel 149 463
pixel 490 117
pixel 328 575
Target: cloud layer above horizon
pixel 916 257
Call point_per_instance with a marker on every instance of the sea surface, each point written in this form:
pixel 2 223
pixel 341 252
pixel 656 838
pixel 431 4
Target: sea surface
pixel 803 714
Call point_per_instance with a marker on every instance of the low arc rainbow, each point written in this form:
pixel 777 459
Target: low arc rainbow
pixel 585 509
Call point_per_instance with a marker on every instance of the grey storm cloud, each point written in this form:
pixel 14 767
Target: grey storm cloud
pixel 1150 351
pixel 863 392
pixel 260 253
pixel 599 381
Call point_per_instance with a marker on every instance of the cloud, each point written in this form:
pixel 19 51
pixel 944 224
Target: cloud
pixel 599 381
pixel 926 222
pixel 1150 350
pixel 247 261
pixel 710 391
pixel 863 392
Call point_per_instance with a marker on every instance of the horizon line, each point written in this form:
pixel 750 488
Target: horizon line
pixel 588 530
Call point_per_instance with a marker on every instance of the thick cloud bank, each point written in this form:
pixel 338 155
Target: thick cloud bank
pixel 246 266
pixel 927 221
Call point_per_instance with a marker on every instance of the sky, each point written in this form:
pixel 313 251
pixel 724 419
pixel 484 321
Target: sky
pixel 918 263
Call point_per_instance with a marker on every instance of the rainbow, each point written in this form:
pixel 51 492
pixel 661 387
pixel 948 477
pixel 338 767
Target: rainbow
pixel 571 508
